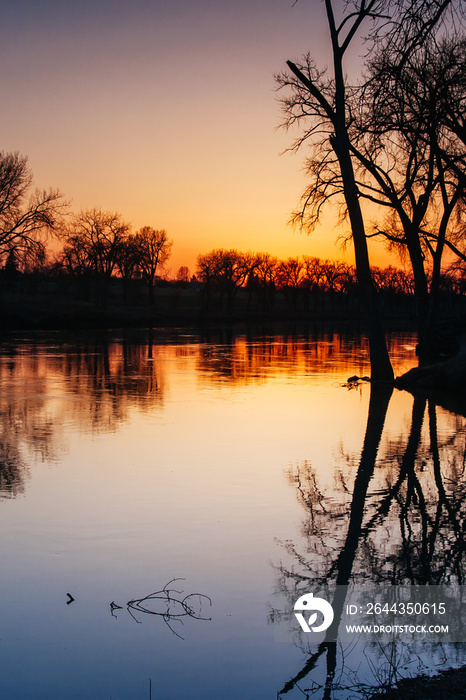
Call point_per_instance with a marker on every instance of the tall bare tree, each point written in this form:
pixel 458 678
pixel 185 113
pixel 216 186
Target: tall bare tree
pixel 412 164
pixel 320 103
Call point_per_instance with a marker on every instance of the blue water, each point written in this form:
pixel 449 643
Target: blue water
pixel 130 459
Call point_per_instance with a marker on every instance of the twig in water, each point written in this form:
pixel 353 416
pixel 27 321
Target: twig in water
pixel 171 606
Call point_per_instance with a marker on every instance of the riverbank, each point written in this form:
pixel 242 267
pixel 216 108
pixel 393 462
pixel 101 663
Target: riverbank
pixel 449 685
pixel 173 305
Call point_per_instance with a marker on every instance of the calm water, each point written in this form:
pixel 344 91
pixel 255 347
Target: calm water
pixel 233 463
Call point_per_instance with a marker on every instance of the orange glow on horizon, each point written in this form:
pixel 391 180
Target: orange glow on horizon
pixel 168 116
pixel 282 242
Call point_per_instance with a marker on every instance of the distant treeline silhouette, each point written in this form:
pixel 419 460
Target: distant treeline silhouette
pixel 96 261
pixel 113 268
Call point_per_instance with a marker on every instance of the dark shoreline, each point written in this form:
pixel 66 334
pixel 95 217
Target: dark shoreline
pixel 448 685
pixel 174 306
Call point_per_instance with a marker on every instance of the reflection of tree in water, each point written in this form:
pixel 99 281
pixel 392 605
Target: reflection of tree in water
pixel 414 514
pixel 94 383
pixel 95 380
pixel 243 358
pixel 108 378
pixel 12 472
pixel 24 423
pixel 425 499
pixel 407 528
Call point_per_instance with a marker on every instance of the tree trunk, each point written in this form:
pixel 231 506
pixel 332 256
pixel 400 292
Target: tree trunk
pixel 381 368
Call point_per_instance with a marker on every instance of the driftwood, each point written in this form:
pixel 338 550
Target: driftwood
pixel 168 604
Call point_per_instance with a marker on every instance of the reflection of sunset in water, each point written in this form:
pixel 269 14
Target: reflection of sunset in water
pixel 99 383
pixel 324 353
pixel 129 459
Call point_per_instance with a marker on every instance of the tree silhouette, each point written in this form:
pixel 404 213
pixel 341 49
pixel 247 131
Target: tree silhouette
pixel 183 274
pixel 412 165
pixel 321 104
pixel 224 271
pixel 92 245
pixel 153 249
pixel 25 218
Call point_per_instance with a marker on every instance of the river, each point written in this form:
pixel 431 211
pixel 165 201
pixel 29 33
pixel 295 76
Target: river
pixel 165 495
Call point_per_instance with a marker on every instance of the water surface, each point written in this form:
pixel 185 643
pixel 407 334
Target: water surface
pixel 230 462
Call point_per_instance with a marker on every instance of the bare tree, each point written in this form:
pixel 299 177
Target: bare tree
pixel 183 274
pixel 24 218
pixel 92 244
pixel 153 251
pixel 224 271
pixel 320 103
pixel 262 279
pixel 412 164
pixel 290 277
pixel 127 262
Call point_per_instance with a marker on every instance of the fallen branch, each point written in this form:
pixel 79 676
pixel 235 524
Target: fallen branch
pixel 171 606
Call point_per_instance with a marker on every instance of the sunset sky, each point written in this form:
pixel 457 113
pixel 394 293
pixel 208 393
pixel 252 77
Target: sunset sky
pixel 165 111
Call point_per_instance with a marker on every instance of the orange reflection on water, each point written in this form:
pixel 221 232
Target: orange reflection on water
pixel 244 359
pixel 98 383
pixel 132 458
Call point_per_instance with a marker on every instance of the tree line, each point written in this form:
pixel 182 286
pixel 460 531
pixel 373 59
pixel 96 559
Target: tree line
pixel 394 138
pixel 94 248
pixel 305 279
pixel 94 245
